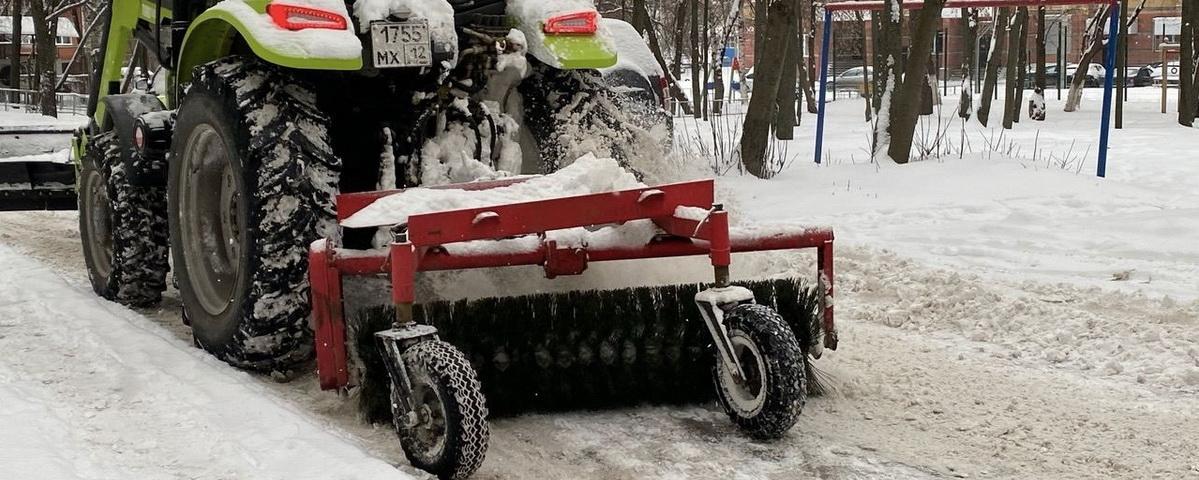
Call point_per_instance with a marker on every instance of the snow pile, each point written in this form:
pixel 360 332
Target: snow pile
pixel 513 56
pixel 62 156
pixel 1124 335
pixel 89 389
pixel 450 156
pixel 307 43
pixel 589 174
pixel 439 13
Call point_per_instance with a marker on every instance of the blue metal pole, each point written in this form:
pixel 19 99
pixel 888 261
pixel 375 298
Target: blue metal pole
pixel 828 30
pixel 1113 38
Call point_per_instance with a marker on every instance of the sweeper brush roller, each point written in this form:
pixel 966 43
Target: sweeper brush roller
pixel 579 350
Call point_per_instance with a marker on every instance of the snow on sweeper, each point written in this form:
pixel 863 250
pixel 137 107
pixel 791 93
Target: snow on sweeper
pixel 261 131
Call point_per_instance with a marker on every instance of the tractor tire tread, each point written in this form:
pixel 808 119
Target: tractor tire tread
pixel 783 358
pixel 293 173
pixel 466 446
pixel 138 226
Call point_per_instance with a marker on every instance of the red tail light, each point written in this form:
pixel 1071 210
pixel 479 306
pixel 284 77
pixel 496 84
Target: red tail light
pixel 295 17
pixel 578 23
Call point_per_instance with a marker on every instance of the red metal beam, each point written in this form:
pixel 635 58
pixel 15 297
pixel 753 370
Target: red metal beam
pixel 912 5
pixel 503 221
pixel 377 263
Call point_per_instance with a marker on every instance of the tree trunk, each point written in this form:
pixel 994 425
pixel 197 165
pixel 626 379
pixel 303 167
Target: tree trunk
pixel 1010 106
pixel 970 51
pixel 697 85
pixel 705 52
pixel 1186 55
pixel 680 17
pixel 890 38
pixel 866 80
pixel 784 119
pixel 806 79
pixel 1094 42
pixel 1194 58
pixel 1022 70
pixel 1121 65
pixel 1036 106
pixel 756 130
pixel 993 56
pixel 14 62
pixel 45 57
pixel 903 113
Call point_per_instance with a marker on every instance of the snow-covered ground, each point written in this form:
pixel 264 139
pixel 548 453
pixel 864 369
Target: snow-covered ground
pixel 1000 316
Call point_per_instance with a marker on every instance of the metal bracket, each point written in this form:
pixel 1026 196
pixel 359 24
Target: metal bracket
pixel 712 303
pixel 394 342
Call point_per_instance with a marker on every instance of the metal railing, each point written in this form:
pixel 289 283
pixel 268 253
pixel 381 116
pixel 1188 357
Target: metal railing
pixel 738 104
pixel 30 101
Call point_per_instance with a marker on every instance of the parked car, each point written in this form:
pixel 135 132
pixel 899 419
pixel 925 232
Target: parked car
pixel 1094 77
pixel 1174 70
pixel 853 79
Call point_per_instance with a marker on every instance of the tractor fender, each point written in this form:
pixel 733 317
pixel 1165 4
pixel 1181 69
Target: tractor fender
pixel 213 33
pixel 564 51
pixel 122 113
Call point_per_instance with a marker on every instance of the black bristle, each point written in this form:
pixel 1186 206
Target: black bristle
pixel 580 350
pixel 374 388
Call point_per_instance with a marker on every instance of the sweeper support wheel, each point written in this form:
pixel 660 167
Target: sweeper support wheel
pixel 442 422
pixel 766 399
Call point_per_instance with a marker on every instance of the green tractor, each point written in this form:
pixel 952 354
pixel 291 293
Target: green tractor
pixel 221 132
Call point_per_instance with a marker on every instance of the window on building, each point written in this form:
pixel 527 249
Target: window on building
pixel 1166 30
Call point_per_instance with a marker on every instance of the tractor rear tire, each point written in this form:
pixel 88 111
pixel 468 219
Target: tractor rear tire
pixel 122 227
pixel 451 442
pixel 769 401
pixel 251 185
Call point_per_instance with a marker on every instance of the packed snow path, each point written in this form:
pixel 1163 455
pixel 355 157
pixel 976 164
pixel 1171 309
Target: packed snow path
pixel 89 389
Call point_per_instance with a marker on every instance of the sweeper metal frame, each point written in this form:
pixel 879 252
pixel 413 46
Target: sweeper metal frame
pixel 417 247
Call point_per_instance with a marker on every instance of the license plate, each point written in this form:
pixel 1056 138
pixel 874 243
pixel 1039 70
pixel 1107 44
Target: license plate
pixel 401 44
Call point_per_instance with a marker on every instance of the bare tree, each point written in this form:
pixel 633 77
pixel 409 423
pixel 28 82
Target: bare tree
pixel 1187 101
pixel 1013 87
pixel 45 15
pixel 969 64
pixel 1036 105
pixel 805 78
pixel 998 35
pixel 755 132
pixel 866 81
pixel 904 113
pixel 888 38
pixel 1093 40
pixel 651 35
pixel 14 63
pixel 696 82
pixel 784 119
